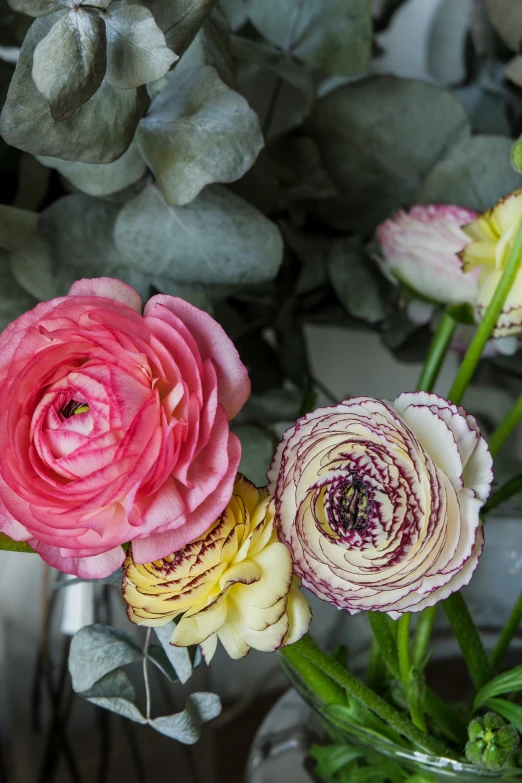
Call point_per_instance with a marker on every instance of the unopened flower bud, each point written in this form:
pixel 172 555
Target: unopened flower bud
pixel 491 741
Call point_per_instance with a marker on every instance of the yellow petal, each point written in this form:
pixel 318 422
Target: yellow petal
pixel 299 614
pixel 235 646
pixel 198 627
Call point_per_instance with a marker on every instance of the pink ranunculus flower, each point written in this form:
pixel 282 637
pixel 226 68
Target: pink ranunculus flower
pixel 379 502
pixel 114 426
pixel 420 248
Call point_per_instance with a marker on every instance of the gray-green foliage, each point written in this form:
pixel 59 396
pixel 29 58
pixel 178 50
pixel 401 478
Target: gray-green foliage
pixel 353 282
pixel 69 63
pixel 96 658
pixel 100 131
pixel 475 174
pixel 332 35
pixel 198 131
pixel 447 41
pixel 379 138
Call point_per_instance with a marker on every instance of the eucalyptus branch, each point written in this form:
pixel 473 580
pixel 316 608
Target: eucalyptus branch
pixel 146 672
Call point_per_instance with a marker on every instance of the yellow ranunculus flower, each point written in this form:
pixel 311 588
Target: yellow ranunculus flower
pixel 493 234
pixel 235 583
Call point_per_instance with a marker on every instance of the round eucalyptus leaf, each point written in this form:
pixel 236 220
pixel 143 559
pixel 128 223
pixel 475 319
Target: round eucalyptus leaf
pixel 136 49
pixel 115 692
pixel 98 132
pixel 379 138
pixel 332 35
pixel 506 18
pixel 179 20
pixel 38 7
pixel 69 63
pixel 447 41
pixel 235 11
pixel 198 131
pixel 185 726
pixel 353 281
pixel 97 650
pixel 475 174
pixel 104 178
pixel 217 238
pixel 257 452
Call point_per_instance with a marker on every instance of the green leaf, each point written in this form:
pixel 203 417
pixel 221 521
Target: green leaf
pixel 352 279
pixel 504 683
pixel 508 710
pixel 272 406
pixel 506 18
pixel 179 20
pixel 475 174
pixel 331 758
pixel 235 12
pixel 211 46
pixel 218 238
pixel 198 131
pixel 378 139
pixel 98 132
pixel 257 452
pixel 104 178
pixel 17 226
pixel 447 41
pixel 116 693
pixel 45 7
pixel 332 35
pixel 97 650
pixel 38 7
pixel 278 62
pixel 69 63
pixel 185 727
pixel 179 657
pixel 136 49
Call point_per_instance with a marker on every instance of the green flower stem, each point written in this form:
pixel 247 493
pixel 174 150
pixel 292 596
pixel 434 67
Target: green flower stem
pixel 377 670
pixel 412 693
pixel 468 638
pixel 438 349
pixel 422 636
pixel 487 325
pixel 356 688
pixel 507 633
pixel 319 683
pixel 446 719
pixel 506 491
pixel 8 544
pixel 505 428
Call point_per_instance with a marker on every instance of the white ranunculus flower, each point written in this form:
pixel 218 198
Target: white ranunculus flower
pixel 379 502
pixel 420 249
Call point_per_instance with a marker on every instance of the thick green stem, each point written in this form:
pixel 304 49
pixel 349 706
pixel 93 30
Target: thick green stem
pixel 505 428
pixel 507 633
pixel 8 544
pixel 412 692
pixel 438 349
pixel 448 722
pixel 488 323
pixel 506 491
pixel 468 638
pixel 422 635
pixel 356 688
pixel 320 684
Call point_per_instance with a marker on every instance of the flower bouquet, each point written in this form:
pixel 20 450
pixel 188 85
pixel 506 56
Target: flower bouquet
pixel 116 451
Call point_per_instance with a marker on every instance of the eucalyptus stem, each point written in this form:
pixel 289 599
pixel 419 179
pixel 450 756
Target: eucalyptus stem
pixel 507 633
pixel 146 672
pixel 505 428
pixel 506 491
pixel 437 351
pixel 356 688
pixel 468 638
pixel 487 325
pixel 422 636
pixel 9 545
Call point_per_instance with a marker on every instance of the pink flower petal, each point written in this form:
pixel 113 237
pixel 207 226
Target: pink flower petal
pixel 109 288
